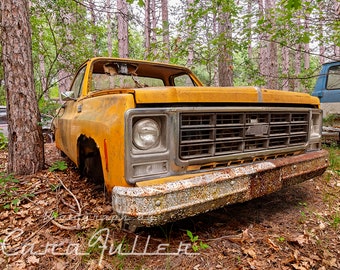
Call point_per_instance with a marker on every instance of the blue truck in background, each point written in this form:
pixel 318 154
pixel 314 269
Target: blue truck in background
pixel 327 89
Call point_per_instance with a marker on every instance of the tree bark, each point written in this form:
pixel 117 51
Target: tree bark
pixel 285 68
pixel 322 47
pixel 225 63
pixel 165 26
pixel 109 28
pixel 272 51
pixel 123 36
pixel 94 36
pixel 147 29
pixel 249 25
pixel 336 47
pixel 268 49
pixel 297 68
pixel 191 54
pixel 26 145
pixel 153 18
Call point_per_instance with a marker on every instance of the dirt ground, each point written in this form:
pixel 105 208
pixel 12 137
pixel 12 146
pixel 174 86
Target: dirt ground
pixel 56 220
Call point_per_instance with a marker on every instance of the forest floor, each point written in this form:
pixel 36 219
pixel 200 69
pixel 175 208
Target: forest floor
pixel 56 220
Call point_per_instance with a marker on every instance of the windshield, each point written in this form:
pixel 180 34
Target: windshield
pixel 108 75
pixel 106 82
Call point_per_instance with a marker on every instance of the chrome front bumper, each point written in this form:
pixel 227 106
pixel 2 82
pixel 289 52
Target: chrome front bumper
pixel 162 203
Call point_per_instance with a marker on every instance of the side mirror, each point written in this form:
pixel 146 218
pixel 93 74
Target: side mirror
pixel 68 95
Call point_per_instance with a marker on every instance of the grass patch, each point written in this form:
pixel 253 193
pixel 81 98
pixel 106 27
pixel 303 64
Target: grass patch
pixel 334 158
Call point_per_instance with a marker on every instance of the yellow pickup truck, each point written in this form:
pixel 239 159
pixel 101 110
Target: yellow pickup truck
pixel 166 147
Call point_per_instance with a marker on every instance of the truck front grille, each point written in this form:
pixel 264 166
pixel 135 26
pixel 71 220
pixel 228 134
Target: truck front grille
pixel 214 134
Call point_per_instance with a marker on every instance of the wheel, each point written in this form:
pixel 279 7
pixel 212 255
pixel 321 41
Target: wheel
pixel 90 164
pixel 93 167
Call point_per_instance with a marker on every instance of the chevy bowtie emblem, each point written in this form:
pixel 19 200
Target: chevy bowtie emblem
pixel 257 130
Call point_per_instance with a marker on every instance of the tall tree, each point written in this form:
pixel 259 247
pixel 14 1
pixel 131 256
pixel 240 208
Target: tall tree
pixel 94 35
pixel 225 62
pixel 285 67
pixel 190 61
pixel 268 52
pixel 165 29
pixel 26 146
pixel 297 66
pixel 65 76
pixel 123 35
pixel 147 29
pixel 153 18
pixel 336 8
pixel 249 26
pixel 109 28
pixel 307 45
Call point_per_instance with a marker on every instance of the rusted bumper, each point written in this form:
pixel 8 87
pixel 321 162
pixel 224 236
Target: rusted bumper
pixel 159 204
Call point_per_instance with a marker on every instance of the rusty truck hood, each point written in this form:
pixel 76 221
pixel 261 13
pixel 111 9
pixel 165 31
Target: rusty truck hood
pixel 220 95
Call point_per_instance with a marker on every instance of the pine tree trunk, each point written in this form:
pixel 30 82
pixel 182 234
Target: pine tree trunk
pixel 147 29
pixel 272 67
pixel 26 146
pixel 165 26
pixel 285 67
pixel 94 36
pixel 191 56
pixel 154 20
pixel 109 28
pixel 123 37
pixel 225 72
pixel 263 39
pixel 268 49
pixel 249 25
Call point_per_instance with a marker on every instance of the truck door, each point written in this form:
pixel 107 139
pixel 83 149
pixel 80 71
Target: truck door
pixel 327 88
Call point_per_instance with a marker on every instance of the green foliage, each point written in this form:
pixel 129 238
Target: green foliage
pixel 58 41
pixel 139 2
pixel 9 198
pixel 281 239
pixel 303 217
pixel 307 77
pixel 59 165
pixel 335 221
pixel 6 186
pixel 48 107
pixel 54 187
pixel 304 204
pixel 55 214
pixel 293 4
pixel 196 245
pixel 3 141
pixel 246 70
pixel 331 119
pixel 334 159
pixel 2 94
pixel 64 35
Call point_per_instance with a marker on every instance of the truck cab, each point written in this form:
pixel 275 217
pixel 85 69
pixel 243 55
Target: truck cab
pixel 327 88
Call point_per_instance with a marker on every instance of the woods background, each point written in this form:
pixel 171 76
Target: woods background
pixel 270 43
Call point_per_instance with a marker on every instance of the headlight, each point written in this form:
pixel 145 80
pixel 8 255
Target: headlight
pixel 146 134
pixel 316 125
pixel 315 131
